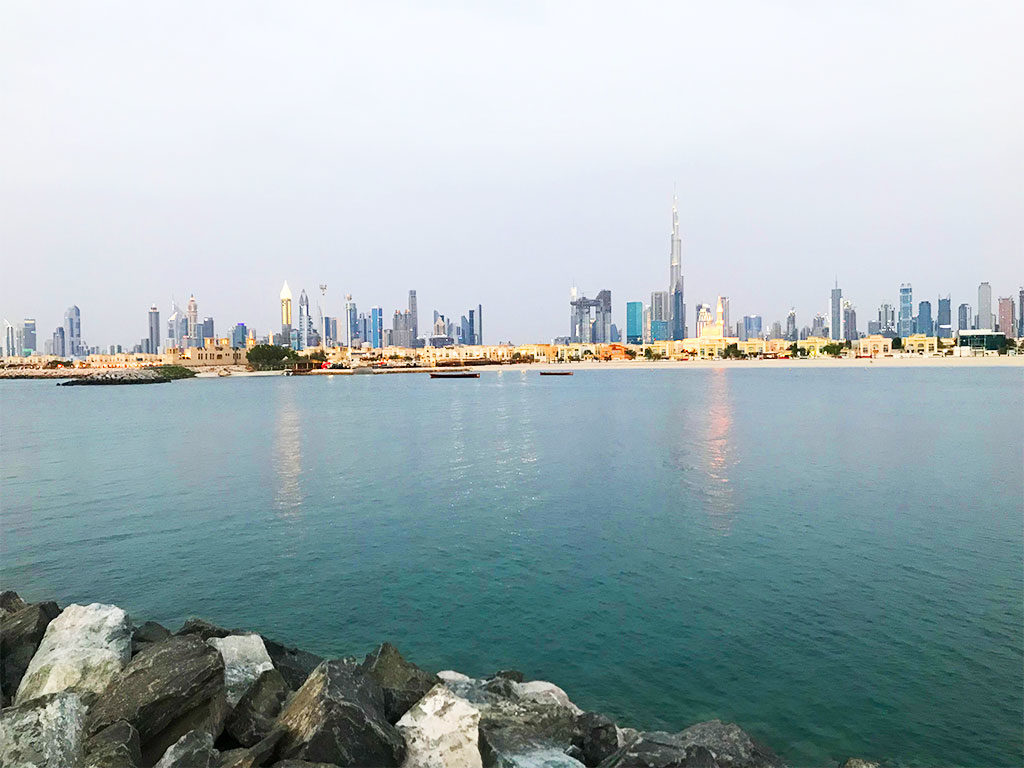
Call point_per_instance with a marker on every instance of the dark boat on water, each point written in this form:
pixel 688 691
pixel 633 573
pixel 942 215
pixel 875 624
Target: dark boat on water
pixel 556 373
pixel 455 375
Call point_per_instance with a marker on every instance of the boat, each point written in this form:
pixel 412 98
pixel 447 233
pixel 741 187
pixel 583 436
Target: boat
pixel 455 375
pixel 556 373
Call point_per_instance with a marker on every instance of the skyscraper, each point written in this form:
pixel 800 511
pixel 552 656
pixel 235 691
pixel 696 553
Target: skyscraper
pixel 58 341
pixel 154 329
pixel 415 317
pixel 1020 314
pixel 906 325
pixel 376 327
pixel 584 328
pixel 661 307
pixel 923 321
pixel 206 330
pixel 887 320
pixel 963 317
pixel 634 322
pixel 1007 318
pixel 675 282
pixel 73 331
pixel 305 325
pixel 28 335
pixel 704 318
pixel 724 302
pixel 836 331
pixel 351 318
pixel 791 332
pixel 477 321
pixel 944 324
pixel 850 322
pixel 286 313
pixel 752 326
pixel 238 336
pixel 985 318
pixel 192 313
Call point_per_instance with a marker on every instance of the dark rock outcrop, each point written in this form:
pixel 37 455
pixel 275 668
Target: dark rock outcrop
pixel 293 664
pixel 596 738
pixel 116 746
pixel 712 744
pixel 11 602
pixel 193 750
pixel 403 682
pixel 202 628
pixel 253 716
pixel 856 762
pixel 20 634
pixel 168 689
pixel 147 633
pixel 260 754
pixel 509 674
pixel 301 764
pixel 338 716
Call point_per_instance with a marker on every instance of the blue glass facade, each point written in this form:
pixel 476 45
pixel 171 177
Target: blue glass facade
pixel 634 322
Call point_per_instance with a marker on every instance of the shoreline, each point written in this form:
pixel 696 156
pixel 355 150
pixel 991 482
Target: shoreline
pixel 88 686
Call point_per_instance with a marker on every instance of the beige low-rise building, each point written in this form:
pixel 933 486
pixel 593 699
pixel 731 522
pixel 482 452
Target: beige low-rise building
pixel 873 346
pixel 919 344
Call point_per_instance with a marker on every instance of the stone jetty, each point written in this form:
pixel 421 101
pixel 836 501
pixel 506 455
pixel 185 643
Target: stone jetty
pixel 85 687
pixel 117 376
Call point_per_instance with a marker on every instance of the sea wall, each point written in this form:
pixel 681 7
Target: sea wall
pixel 85 686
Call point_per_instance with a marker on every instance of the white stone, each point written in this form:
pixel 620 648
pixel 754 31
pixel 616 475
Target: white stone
pixel 44 733
pixel 544 692
pixel 194 750
pixel 440 731
pixel 82 649
pixel 539 758
pixel 450 676
pixel 245 659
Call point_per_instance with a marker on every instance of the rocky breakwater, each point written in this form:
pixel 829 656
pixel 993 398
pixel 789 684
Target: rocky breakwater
pixel 117 376
pixel 83 687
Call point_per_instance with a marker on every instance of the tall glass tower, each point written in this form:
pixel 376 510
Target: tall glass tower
pixel 906 325
pixel 675 277
pixel 836 329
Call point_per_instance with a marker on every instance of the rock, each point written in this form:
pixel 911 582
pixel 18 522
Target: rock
pixel 168 689
pixel 301 764
pixel 193 750
pixel 257 755
pixel 509 674
pixel 337 716
pixel 440 731
pixel 245 659
pixel 596 738
pixel 254 714
pixel 45 732
pixel 116 746
pixel 21 632
pixel 403 682
pixel 293 664
pixel 856 762
pixel 713 744
pixel 149 632
pixel 202 628
pixel 521 724
pixel 82 649
pixel 11 602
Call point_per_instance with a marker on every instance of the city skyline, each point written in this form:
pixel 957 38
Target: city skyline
pixel 134 173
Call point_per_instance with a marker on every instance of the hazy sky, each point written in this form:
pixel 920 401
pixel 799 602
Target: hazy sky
pixel 499 154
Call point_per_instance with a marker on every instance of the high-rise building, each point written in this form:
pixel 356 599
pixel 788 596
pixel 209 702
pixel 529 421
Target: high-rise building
pixel 376 327
pixel 1007 318
pixel 849 322
pixel 944 324
pixel 752 326
pixel 28 336
pixel 305 325
pixel 1020 313
pixel 741 330
pixel 923 321
pixel 73 332
pixel 704 318
pixel 791 332
pixel 415 317
pixel 351 320
pixel 286 313
pixel 776 332
pixel 206 331
pixel 154 329
pixel 963 317
pixel 192 313
pixel 887 320
pixel 724 303
pixel 239 335
pixel 634 322
pixel 58 341
pixel 818 326
pixel 837 316
pixel 675 282
pixel 661 308
pixel 10 340
pixel 586 328
pixel 906 322
pixel 986 320
pixel 478 321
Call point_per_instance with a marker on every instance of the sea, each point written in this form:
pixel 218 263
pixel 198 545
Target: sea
pixel 831 558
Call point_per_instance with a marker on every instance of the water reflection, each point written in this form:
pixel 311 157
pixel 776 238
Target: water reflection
pixel 287 454
pixel 718 456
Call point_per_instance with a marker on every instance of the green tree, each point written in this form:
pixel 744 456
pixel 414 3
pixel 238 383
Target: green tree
pixel 897 342
pixel 833 349
pixel 268 357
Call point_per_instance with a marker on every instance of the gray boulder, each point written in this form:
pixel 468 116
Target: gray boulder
pixel 596 738
pixel 149 632
pixel 253 716
pixel 521 724
pixel 301 764
pixel 21 632
pixel 45 732
pixel 202 628
pixel 337 716
pixel 293 664
pixel 116 746
pixel 245 659
pixel 82 649
pixel 856 762
pixel 403 682
pixel 257 755
pixel 10 602
pixel 712 744
pixel 170 688
pixel 193 750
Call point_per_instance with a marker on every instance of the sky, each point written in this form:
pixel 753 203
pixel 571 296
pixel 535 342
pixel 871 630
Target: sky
pixel 500 153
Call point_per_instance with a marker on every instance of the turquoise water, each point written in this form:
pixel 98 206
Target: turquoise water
pixel 831 558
